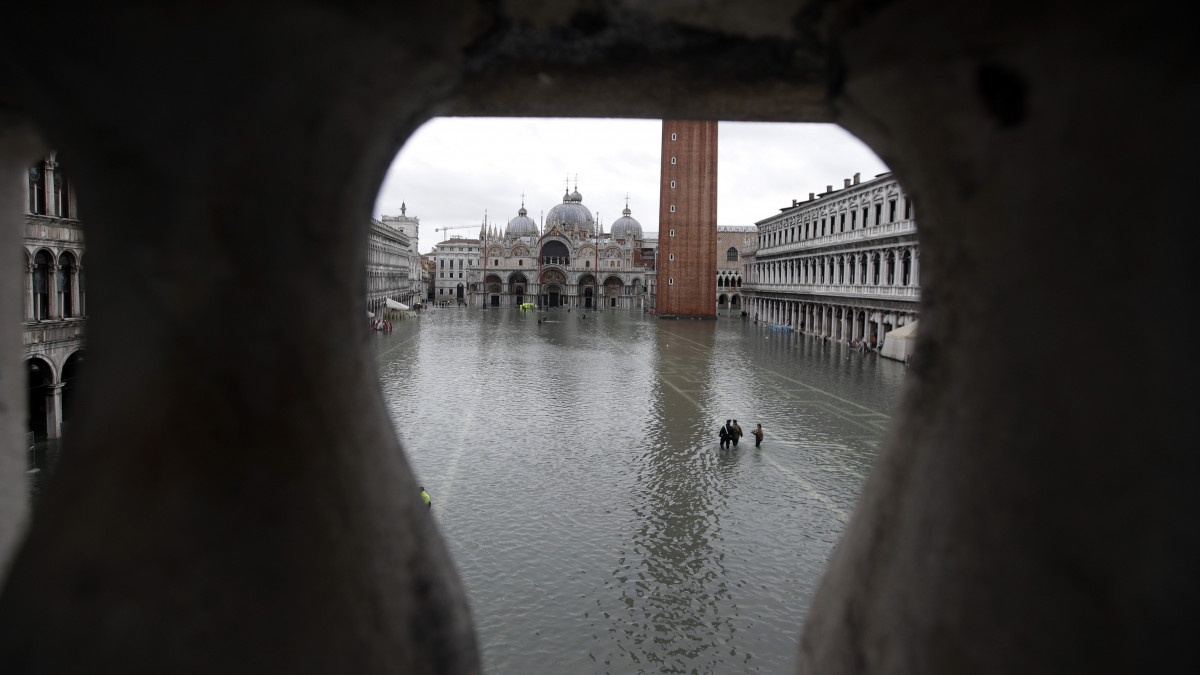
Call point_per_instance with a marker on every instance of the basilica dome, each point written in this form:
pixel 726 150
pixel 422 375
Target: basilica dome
pixel 571 215
pixel 626 227
pixel 522 225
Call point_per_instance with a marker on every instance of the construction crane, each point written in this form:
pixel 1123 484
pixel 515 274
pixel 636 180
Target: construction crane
pixel 462 227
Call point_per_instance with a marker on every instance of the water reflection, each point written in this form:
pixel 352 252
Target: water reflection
pixel 576 476
pixel 668 589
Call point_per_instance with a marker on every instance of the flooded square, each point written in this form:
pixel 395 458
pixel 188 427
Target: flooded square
pixel 576 475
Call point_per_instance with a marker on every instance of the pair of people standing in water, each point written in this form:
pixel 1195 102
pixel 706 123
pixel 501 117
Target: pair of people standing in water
pixel 730 433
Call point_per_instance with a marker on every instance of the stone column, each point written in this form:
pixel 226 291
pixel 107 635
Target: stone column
pixel 30 308
pixel 55 311
pixel 48 183
pixel 54 410
pixel 916 266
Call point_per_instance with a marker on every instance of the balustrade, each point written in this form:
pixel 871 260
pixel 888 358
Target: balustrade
pixel 874 232
pixel 902 292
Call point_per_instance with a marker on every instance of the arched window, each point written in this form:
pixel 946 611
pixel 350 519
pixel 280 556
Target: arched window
pixel 41 285
pixel 65 281
pixel 732 254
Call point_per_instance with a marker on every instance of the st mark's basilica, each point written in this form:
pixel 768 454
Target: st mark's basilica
pixel 567 262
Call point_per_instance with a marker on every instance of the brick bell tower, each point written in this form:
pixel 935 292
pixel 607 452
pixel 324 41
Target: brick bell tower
pixel 687 221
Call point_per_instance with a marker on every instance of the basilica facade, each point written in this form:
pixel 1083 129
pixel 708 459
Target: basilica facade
pixel 568 261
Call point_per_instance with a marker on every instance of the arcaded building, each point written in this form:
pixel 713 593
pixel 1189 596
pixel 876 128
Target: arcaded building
pixel 687 220
pixel 55 297
pixel 843 264
pixel 410 227
pixel 391 259
pixel 736 245
pixel 569 261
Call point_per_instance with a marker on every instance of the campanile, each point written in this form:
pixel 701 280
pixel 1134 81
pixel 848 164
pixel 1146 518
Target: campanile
pixel 687 221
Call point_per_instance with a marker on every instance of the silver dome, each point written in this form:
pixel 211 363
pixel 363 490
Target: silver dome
pixel 521 226
pixel 571 215
pixel 626 227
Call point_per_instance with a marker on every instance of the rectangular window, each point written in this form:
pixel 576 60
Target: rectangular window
pixel 843 219
pixel 671 234
pixel 671 257
pixel 878 214
pixel 672 160
pixel 61 195
pixel 907 209
pixel 37 190
pixel 521 262
pixel 892 211
pixel 822 227
pixel 672 136
pixel 670 281
pixel 852 218
pixel 672 208
pixel 672 184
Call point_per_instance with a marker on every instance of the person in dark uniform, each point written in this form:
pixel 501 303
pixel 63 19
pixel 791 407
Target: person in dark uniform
pixel 737 433
pixel 726 434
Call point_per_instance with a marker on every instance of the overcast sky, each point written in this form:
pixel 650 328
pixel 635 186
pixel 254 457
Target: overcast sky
pixel 455 168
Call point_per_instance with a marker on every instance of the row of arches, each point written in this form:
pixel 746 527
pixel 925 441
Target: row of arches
pixel 555 291
pixel 729 301
pixel 840 322
pixel 52 392
pixel 887 267
pixel 54 285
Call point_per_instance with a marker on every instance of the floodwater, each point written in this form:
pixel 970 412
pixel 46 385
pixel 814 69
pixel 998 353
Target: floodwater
pixel 576 477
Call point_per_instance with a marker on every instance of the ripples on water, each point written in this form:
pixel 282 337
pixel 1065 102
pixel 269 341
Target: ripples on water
pixel 577 479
